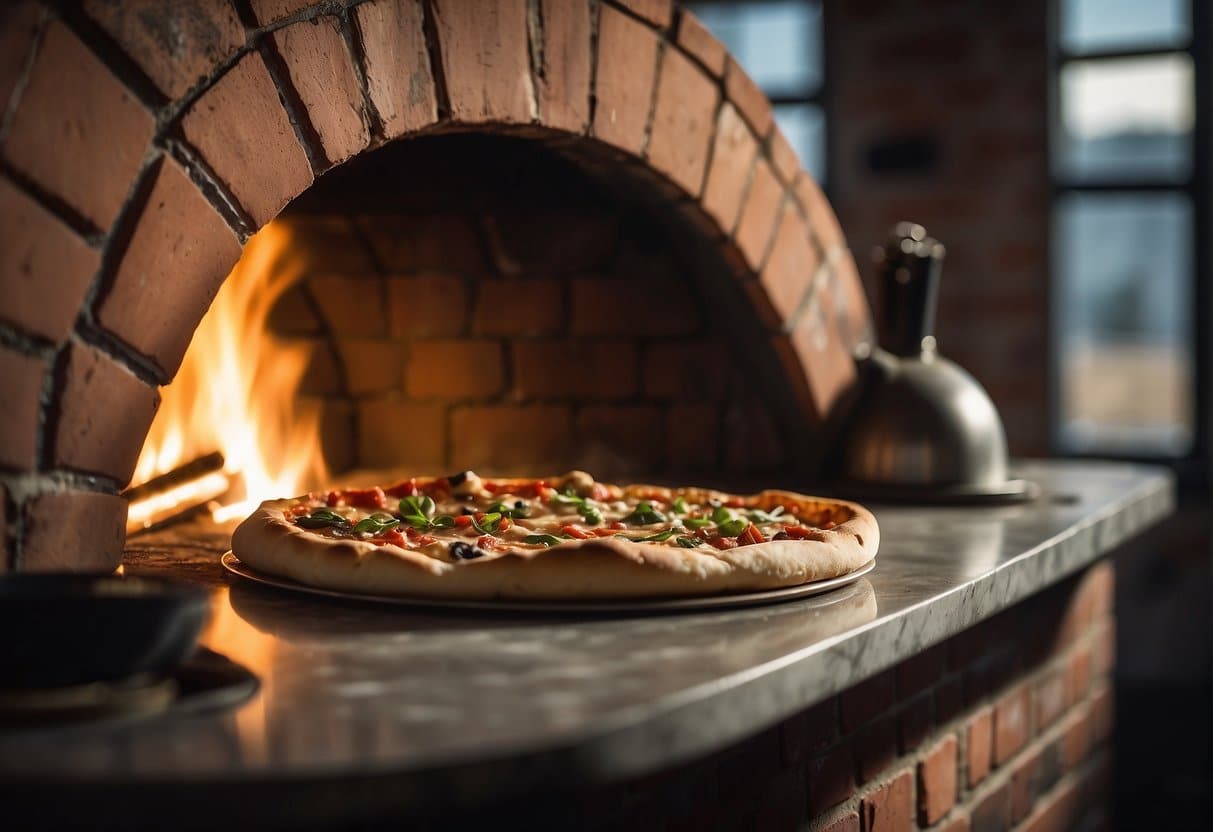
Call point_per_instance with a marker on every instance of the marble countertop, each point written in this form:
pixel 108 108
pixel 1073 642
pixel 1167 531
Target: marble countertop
pixel 443 707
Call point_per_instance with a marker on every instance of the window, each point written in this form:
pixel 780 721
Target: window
pixel 1130 172
pixel 779 42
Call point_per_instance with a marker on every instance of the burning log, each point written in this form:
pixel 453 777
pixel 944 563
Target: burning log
pixel 177 493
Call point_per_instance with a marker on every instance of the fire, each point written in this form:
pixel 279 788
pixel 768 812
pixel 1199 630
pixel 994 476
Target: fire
pixel 235 391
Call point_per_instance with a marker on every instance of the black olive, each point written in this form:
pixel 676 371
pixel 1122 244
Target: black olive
pixel 458 479
pixel 519 504
pixel 465 551
pixel 465 510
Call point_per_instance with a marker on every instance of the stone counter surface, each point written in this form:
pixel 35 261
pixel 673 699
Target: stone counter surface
pixel 390 708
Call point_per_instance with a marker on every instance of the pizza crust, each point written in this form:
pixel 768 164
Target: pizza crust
pixel 599 568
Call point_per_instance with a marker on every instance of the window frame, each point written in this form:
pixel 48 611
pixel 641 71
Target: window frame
pixel 1193 467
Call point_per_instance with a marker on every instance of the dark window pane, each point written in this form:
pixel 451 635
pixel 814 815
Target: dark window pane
pixel 1092 25
pixel 805 127
pixel 1126 119
pixel 777 41
pixel 1123 265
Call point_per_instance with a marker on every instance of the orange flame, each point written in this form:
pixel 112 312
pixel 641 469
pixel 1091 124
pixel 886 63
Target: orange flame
pixel 235 391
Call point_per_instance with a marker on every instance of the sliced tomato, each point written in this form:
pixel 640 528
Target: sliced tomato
pixel 827 525
pixel 604 532
pixel 600 492
pixel 735 502
pixel 404 488
pixel 722 542
pixel 392 536
pixel 361 497
pixel 798 532
pixel 573 531
pixel 487 541
pixel 505 524
pixel 619 524
pixel 333 498
pixel 463 520
pixel 750 536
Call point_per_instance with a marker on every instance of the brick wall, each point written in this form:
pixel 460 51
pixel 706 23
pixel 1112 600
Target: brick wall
pixel 142 143
pixel 1005 726
pixel 939 115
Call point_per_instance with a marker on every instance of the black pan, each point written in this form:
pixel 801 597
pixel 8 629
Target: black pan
pixel 73 629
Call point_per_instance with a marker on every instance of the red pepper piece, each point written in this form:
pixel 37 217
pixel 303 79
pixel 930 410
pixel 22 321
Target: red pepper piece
pixel 750 536
pixel 404 488
pixel 619 524
pixel 827 525
pixel 735 502
pixel 463 520
pixel 333 498
pixel 603 532
pixel 798 532
pixel 486 541
pixel 363 498
pixel 392 536
pixel 573 531
pixel 505 524
pixel 723 542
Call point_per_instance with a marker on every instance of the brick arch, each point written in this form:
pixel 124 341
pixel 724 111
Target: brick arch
pixel 141 145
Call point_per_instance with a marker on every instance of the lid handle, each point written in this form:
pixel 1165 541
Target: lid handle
pixel 908 269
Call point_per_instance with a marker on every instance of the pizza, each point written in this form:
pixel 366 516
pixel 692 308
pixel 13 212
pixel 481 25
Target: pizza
pixel 566 537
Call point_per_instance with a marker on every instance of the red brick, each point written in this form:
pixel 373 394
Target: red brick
pixel 852 315
pixel 104 414
pixel 429 304
pixel 563 85
pixel 397 65
pixel 1078 674
pixel 810 731
pixel 847 823
pixel 875 748
pixel 783 157
pixel 547 245
pixel 979 745
pixel 241 130
pixel 577 368
pixel 320 243
pixel 891 807
pixel 1076 737
pixel 396 433
pixel 1011 724
pixel 179 255
pixel 485 60
pixel 733 153
pixel 682 121
pixel 751 440
pixel 701 44
pixel 867 700
pixel 920 672
pixel 748 98
pixel 831 780
pixel 21 403
pixel 73 531
pixel 1103 649
pixel 78 132
pixel 791 266
pixel 271 11
pixel 690 370
pixel 320 70
pixel 609 306
pixel 958 823
pixel 692 432
pixel 1101 580
pixel 627 64
pixel 619 437
pixel 350 305
pixel 937 781
pixel 1103 712
pixel 178 45
pixel 914 723
pixel 324 375
pixel 371 366
pixel 519 307
pixel 454 369
pixel 19 24
pixel 821 215
pixel 441 242
pixel 1059 811
pixel 657 12
pixel 511 438
pixel 816 355
pixel 1050 699
pixel 991 811
pixel 44 267
pixel 1025 785
pixel 757 224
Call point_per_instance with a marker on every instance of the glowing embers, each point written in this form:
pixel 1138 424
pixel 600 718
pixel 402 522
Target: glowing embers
pixel 236 394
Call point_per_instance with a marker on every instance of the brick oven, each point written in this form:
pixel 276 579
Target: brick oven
pixel 538 235
pixel 530 235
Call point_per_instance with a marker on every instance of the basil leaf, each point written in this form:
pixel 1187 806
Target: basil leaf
pixel 417 521
pixel 643 515
pixel 443 521
pixel 696 522
pixel 655 538
pixel 417 506
pixel 591 515
pixel 689 542
pixel 519 509
pixel 545 539
pixel 376 524
pixel 567 498
pixel 322 518
pixel 732 528
pixel 488 523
